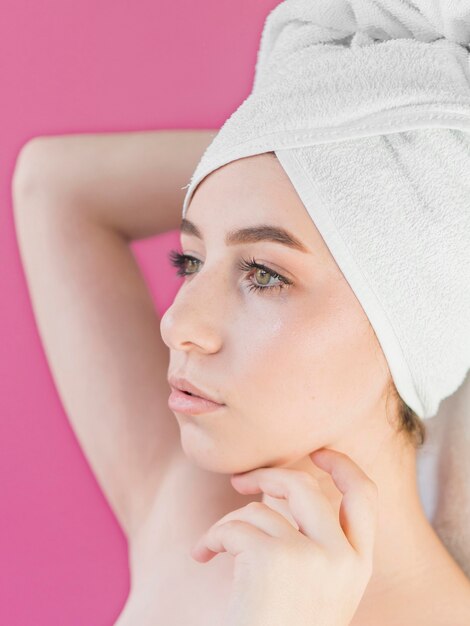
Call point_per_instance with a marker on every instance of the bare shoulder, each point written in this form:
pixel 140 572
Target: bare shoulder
pixel 446 603
pixel 456 610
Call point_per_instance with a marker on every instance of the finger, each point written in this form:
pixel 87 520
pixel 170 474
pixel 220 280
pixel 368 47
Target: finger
pixel 358 510
pixel 258 514
pixel 234 536
pixel 309 506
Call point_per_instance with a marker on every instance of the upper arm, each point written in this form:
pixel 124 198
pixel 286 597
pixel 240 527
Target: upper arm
pixel 101 337
pixel 132 182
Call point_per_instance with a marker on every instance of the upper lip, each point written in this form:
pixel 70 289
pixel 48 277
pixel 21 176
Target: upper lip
pixel 185 385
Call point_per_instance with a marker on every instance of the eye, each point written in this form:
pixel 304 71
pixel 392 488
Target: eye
pixel 178 260
pixel 264 274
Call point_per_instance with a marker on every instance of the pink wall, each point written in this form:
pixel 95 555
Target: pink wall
pixel 73 67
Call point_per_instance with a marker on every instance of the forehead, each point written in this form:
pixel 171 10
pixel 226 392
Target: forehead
pixel 245 191
pixel 250 192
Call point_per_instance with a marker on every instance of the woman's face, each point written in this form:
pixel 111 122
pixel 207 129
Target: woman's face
pixel 298 367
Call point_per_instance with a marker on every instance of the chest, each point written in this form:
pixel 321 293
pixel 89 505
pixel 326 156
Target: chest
pixel 180 591
pixel 167 585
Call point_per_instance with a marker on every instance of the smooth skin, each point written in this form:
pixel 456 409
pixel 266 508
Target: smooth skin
pixel 72 197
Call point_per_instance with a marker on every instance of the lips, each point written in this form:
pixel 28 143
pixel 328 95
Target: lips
pixel 184 385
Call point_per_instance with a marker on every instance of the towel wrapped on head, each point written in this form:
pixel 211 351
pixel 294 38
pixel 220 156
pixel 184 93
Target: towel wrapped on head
pixel 366 104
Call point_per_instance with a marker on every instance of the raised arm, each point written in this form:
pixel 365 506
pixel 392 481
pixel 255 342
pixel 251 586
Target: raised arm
pixel 78 202
pixel 130 182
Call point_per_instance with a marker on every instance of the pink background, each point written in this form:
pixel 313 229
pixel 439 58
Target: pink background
pixel 73 67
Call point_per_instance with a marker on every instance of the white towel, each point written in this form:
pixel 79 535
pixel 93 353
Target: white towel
pixel 366 104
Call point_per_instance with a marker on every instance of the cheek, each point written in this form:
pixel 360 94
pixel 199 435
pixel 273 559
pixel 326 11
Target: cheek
pixel 338 364
pixel 279 362
pixel 313 370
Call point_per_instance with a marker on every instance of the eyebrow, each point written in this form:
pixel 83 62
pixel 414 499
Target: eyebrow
pixel 253 234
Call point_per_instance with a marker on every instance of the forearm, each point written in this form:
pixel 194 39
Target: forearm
pixel 129 182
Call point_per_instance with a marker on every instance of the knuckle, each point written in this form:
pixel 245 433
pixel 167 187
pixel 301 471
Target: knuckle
pixel 234 524
pixel 308 479
pixel 255 506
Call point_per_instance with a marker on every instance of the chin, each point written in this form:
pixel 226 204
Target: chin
pixel 214 458
pixel 206 454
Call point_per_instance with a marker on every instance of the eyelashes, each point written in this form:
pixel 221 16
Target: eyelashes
pixel 251 264
pixel 179 261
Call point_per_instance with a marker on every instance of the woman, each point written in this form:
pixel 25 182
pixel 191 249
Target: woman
pixel 289 495
pixel 298 368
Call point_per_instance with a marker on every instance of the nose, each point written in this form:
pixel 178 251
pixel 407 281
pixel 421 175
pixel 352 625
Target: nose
pixel 196 318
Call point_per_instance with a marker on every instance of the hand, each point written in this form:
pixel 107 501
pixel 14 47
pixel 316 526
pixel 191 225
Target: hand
pixel 313 576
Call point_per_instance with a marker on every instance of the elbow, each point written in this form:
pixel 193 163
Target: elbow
pixel 32 171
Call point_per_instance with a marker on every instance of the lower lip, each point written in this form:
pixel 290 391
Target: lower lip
pixel 191 405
